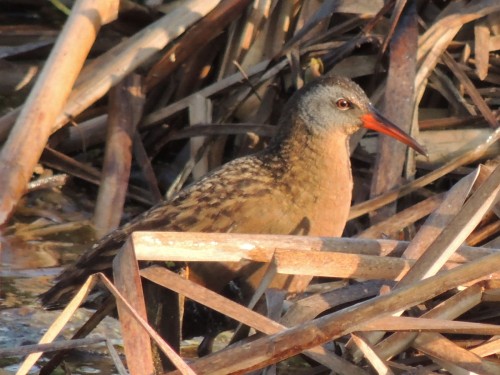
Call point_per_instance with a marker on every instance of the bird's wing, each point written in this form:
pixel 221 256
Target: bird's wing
pixel 213 204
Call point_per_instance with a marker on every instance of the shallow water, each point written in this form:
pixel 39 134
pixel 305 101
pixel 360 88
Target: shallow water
pixel 26 270
pixel 26 325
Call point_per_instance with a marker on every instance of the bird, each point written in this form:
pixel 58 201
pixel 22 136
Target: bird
pixel 300 184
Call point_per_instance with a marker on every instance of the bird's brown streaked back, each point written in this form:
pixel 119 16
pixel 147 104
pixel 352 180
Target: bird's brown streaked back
pixel 301 184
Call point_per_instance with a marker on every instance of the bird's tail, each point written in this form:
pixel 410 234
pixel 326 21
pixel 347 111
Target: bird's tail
pixel 99 258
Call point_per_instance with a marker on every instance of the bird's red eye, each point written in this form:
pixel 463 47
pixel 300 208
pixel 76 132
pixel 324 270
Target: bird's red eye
pixel 343 104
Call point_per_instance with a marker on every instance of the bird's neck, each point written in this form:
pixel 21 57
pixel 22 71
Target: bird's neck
pixel 319 173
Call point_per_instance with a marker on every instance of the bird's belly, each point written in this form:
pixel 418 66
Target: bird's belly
pixel 266 216
pixel 280 214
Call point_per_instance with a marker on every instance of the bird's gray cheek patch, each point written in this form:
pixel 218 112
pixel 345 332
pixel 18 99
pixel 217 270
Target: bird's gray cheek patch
pixel 316 112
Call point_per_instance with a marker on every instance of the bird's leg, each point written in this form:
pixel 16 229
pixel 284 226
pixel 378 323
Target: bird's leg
pixel 163 310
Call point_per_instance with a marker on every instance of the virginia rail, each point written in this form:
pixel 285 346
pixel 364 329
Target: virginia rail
pixel 301 184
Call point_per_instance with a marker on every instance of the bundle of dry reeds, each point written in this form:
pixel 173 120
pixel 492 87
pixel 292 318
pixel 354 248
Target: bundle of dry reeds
pixel 195 83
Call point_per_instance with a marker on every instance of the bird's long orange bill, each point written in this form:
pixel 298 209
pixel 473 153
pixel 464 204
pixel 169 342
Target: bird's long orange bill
pixel 375 121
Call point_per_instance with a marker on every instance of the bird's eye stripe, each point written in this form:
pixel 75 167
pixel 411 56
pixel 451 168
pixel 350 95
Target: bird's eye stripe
pixel 343 104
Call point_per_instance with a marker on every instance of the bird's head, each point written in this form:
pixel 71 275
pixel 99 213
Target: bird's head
pixel 337 103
